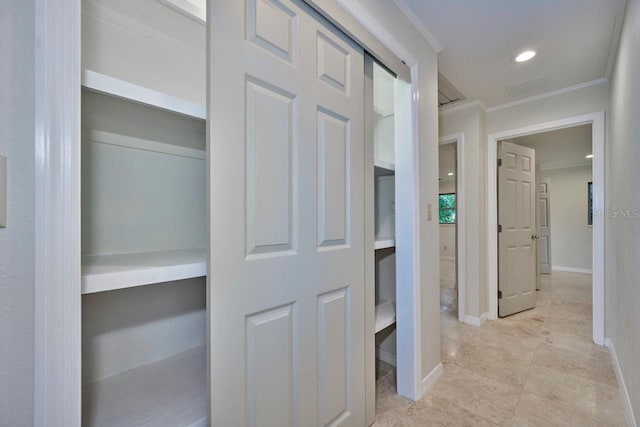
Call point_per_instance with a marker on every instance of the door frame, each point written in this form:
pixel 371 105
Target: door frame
pixel 57 290
pixel 461 248
pixel 597 122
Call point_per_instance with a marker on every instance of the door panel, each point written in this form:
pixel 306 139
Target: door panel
pixel 544 227
pixel 517 217
pixel 286 178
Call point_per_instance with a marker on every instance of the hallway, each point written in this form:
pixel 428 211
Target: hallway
pixel 536 368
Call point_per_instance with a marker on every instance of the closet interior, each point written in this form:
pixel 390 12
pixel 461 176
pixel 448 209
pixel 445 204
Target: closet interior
pixel 384 195
pixel 144 212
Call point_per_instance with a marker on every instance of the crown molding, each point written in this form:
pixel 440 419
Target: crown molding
pixel 420 26
pixel 460 105
pixel 548 94
pixel 567 166
pixel 615 39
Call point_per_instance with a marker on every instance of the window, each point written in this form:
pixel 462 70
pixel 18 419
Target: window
pixel 447 205
pixel 590 203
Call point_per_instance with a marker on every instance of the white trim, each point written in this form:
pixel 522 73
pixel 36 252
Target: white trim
pixel 624 392
pixel 132 92
pixel 360 14
pixel 577 165
pixel 420 26
pixel 57 370
pixel 571 269
pixel 408 299
pixel 615 39
pixel 475 321
pixel 460 105
pixel 386 356
pixel 548 94
pixel 461 228
pixel 598 140
pixel 430 380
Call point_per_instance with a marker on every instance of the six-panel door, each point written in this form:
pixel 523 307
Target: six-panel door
pixel 286 177
pixel 517 219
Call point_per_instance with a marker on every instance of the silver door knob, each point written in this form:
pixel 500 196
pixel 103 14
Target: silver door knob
pixel 534 237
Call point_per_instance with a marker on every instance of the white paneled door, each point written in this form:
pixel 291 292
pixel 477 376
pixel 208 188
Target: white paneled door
pixel 517 229
pixel 544 226
pixel 286 175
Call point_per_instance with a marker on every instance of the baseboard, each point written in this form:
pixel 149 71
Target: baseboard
pixel 626 400
pixel 386 356
pixel 429 381
pixel 475 321
pixel 571 269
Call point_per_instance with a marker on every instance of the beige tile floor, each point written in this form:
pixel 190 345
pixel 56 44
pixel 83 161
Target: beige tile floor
pixel 537 368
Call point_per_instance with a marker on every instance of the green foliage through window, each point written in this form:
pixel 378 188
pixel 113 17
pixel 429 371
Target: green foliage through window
pixel 447 206
pixel 590 203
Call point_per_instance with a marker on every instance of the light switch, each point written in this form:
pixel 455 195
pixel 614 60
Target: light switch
pixel 3 191
pixel 428 211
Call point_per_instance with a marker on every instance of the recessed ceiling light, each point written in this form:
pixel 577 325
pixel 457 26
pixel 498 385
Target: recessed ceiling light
pixel 589 156
pixel 450 174
pixel 525 56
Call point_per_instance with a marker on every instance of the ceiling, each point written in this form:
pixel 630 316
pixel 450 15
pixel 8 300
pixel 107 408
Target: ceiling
pixel 480 38
pixel 560 148
pixel 447 161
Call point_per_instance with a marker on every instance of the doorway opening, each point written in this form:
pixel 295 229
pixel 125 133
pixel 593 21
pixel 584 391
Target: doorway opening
pixel 447 218
pixel 559 181
pixel 593 195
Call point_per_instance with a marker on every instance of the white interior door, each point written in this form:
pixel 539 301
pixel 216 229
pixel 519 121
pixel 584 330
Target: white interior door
pixel 517 229
pixel 544 226
pixel 286 176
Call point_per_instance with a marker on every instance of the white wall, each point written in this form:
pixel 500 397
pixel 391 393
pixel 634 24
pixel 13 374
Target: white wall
pixel 622 235
pixel 17 44
pixel 571 236
pixel 574 103
pixel 590 99
pixel 447 231
pixel 470 121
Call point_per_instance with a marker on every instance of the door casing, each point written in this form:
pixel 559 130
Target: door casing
pixel 597 122
pixel 57 397
pixel 461 258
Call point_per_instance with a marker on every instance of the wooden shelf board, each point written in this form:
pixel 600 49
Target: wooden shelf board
pixel 132 92
pixel 384 168
pixel 385 315
pixel 171 391
pixel 385 243
pixel 190 9
pixel 142 144
pixel 110 272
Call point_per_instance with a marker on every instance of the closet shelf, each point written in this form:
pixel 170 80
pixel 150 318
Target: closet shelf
pixel 132 92
pixel 142 144
pixel 110 272
pixel 385 243
pixel 383 168
pixel 385 315
pixel 171 391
